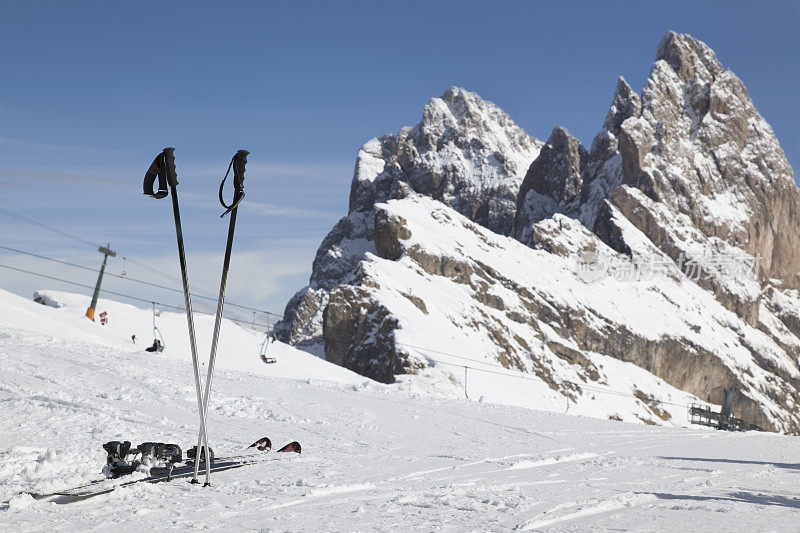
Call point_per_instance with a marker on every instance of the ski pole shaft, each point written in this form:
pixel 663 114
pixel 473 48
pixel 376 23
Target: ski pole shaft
pixel 217 324
pixel 238 163
pixel 190 319
pixel 163 169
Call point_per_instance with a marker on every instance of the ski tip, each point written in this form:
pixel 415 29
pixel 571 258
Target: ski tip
pixel 262 444
pixel 293 446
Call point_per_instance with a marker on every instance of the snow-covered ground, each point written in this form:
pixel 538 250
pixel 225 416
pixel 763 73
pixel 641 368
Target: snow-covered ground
pixel 375 457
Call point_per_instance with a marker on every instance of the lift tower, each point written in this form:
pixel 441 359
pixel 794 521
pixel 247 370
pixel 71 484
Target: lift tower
pixel 106 251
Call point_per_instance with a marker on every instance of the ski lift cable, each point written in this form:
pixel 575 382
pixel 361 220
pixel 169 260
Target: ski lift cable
pixel 92 244
pixel 610 391
pixel 166 276
pixel 519 375
pixel 126 277
pixel 120 276
pixel 136 298
pixel 422 349
pixel 46 227
pixel 508 372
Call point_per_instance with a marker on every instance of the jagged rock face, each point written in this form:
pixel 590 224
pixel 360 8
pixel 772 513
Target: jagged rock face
pixel 712 173
pixel 687 169
pixel 700 147
pixel 564 165
pixel 465 152
pixel 696 145
pixel 553 182
pixel 702 170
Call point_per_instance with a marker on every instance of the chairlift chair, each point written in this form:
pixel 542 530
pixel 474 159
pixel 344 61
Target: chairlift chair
pixel 263 350
pixel 158 339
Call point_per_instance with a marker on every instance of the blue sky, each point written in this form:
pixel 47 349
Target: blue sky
pixel 91 91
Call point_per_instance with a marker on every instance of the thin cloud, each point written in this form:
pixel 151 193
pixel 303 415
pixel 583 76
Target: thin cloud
pixel 7 141
pixel 301 170
pixel 280 169
pixel 273 210
pixel 202 201
pixel 58 177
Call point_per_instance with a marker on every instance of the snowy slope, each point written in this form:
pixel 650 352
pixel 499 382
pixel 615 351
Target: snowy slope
pixel 444 291
pixel 487 381
pixel 374 458
pixel 238 347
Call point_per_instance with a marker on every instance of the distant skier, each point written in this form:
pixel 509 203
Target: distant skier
pixel 133 338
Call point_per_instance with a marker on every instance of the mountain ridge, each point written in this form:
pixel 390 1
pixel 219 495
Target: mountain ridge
pixel 684 178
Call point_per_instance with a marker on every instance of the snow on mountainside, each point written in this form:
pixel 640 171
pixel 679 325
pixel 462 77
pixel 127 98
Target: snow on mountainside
pixel 238 350
pixel 374 458
pixel 443 292
pixel 670 245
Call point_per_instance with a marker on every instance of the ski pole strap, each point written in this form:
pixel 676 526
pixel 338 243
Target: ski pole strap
pixel 163 168
pixel 237 163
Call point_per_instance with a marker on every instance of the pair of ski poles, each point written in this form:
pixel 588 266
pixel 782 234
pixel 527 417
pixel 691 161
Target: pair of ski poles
pixel 163 168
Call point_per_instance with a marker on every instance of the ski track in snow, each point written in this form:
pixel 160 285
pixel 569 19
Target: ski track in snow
pixel 375 458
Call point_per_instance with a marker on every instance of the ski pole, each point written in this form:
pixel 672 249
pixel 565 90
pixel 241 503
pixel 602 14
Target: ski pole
pixel 163 167
pixel 238 163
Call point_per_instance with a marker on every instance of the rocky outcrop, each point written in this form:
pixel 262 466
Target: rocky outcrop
pixel 712 176
pixel 465 152
pixel 563 165
pixel 553 182
pixel 696 146
pixel 700 148
pixel 695 168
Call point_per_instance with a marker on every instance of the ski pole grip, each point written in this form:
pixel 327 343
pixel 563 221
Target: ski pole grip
pixel 169 166
pixel 163 168
pixel 239 163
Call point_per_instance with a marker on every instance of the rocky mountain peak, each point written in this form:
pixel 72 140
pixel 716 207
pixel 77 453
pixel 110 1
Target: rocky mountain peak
pixel 465 152
pixel 457 107
pixel 700 148
pixel 552 182
pixel 689 58
pixel 626 103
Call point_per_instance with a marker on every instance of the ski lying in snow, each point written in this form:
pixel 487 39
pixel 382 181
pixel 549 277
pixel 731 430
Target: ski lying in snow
pixel 160 474
pixel 291 447
pixel 185 471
